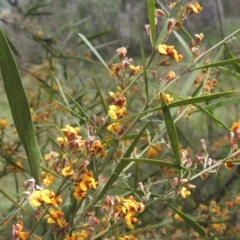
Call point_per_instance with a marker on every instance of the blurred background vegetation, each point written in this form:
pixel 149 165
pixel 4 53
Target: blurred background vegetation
pixel 44 38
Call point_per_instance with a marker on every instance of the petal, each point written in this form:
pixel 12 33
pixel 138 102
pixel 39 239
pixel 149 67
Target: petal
pixel 112 114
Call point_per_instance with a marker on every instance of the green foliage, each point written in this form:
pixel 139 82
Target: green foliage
pixel 19 106
pixel 126 163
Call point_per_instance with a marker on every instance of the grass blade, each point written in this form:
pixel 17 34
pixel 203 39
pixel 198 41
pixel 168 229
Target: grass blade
pixel 216 120
pixel 184 44
pixel 183 103
pixel 230 56
pixel 151 16
pixel 230 72
pixel 100 93
pixel 222 103
pixel 13 201
pixel 78 107
pixel 96 36
pixel 19 106
pixel 94 51
pixel 172 133
pixel 217 64
pixel 144 65
pixel 34 8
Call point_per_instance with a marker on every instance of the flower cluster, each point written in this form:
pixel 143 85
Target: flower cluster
pixel 194 45
pixel 153 151
pixel 117 108
pixel 183 13
pixel 84 181
pixel 76 144
pixel 119 69
pixel 122 209
pixel 71 139
pixel 207 79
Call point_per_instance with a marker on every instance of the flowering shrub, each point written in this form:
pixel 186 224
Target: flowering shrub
pixel 96 179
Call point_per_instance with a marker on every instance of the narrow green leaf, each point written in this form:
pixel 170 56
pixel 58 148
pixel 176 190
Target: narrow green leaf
pixel 184 44
pixel 162 7
pixel 151 17
pixel 163 34
pixel 172 133
pixel 222 103
pixel 14 50
pixel 216 120
pixel 183 103
pixel 100 93
pixel 120 166
pixel 96 36
pixel 85 115
pixel 230 56
pixel 230 72
pixel 221 63
pixel 189 221
pixel 13 201
pixel 19 106
pixel 200 99
pixel 155 162
pixel 185 32
pixel 94 51
pixel 201 56
pixel 34 8
pixel 144 65
pixel 66 101
pixel 71 111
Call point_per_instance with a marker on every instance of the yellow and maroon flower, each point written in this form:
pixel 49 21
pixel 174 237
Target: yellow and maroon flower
pixel 194 8
pixel 170 52
pixel 114 127
pixel 56 218
pixel 134 69
pixel 67 171
pixel 17 232
pixel 79 194
pixel 37 198
pixel 236 127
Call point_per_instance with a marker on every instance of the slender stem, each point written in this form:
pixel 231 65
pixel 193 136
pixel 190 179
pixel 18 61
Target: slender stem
pixel 140 73
pixel 106 231
pixel 214 166
pixel 212 48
